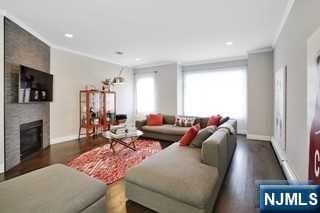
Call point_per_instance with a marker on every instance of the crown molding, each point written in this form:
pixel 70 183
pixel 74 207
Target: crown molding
pixel 283 21
pixel 262 50
pixel 216 60
pixel 84 54
pixel 155 64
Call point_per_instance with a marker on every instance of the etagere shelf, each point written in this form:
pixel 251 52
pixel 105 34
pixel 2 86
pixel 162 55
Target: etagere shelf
pixel 97 111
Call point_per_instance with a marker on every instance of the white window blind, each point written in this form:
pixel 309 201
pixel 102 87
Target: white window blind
pixel 145 93
pixel 216 92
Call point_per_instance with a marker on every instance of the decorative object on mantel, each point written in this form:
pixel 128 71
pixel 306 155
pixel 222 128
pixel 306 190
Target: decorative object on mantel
pixel 118 80
pixel 97 111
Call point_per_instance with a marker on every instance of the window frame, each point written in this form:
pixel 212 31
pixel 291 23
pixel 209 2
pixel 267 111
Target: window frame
pixel 217 69
pixel 137 75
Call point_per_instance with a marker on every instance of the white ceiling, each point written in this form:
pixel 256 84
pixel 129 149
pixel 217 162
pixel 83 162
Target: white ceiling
pixel 153 30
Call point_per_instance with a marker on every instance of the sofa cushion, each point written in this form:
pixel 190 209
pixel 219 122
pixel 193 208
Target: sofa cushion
pixel 154 120
pixel 185 121
pixel 169 119
pixel 202 135
pixel 56 188
pixel 177 173
pixel 214 120
pixel 189 135
pixel 203 121
pixel 166 129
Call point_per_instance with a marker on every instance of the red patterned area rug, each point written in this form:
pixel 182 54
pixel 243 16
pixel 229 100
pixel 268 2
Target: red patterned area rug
pixel 102 164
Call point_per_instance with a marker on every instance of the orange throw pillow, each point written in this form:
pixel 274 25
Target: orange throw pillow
pixel 189 135
pixel 155 120
pixel 214 120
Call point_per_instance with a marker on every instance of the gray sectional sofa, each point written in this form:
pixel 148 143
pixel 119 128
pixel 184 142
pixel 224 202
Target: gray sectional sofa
pixel 183 179
pixel 168 131
pixel 56 188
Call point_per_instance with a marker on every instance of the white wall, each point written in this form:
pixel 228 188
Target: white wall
pixel 71 73
pixel 290 50
pixel 260 95
pixel 166 87
pixel 1 94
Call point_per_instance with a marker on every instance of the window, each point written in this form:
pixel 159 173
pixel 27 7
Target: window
pixel 145 93
pixel 216 92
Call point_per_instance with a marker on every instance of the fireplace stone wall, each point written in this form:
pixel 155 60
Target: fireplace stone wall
pixel 22 48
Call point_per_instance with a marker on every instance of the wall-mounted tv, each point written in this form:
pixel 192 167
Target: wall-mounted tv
pixel 34 85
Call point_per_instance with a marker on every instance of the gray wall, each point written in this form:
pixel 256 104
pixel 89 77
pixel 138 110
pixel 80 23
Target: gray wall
pixel 260 95
pixel 166 87
pixel 22 48
pixel 72 73
pixel 291 50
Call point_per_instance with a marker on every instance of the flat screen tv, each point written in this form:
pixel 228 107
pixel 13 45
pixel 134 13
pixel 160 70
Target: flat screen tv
pixel 34 86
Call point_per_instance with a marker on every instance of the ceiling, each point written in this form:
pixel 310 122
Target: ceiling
pixel 154 31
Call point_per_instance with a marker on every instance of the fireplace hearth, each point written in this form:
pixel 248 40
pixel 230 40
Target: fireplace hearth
pixel 30 138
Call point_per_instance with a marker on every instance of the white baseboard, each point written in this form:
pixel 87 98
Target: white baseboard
pixel 242 132
pixel 286 168
pixel 64 139
pixel 1 168
pixel 288 172
pixel 279 152
pixel 258 137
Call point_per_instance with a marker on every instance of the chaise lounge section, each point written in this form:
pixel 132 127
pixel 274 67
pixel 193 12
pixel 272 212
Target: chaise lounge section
pixel 183 179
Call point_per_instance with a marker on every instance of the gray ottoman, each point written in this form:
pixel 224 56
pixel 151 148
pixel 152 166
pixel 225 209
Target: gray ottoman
pixel 56 189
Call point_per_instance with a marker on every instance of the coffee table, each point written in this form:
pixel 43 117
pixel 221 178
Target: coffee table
pixel 127 139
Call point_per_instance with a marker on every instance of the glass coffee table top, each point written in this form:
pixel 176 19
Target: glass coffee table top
pixel 125 139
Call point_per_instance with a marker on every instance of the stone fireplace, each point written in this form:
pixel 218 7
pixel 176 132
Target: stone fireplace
pixel 22 48
pixel 31 138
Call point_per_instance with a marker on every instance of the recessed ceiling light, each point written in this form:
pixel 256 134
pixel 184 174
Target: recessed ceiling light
pixel 229 43
pixel 119 53
pixel 138 59
pixel 68 35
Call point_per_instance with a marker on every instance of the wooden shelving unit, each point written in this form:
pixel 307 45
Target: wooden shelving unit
pixel 108 109
pixel 97 111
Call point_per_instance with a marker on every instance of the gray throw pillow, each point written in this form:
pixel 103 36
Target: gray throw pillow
pixel 202 135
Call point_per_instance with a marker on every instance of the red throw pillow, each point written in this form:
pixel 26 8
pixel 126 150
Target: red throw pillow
pixel 155 120
pixel 214 120
pixel 189 135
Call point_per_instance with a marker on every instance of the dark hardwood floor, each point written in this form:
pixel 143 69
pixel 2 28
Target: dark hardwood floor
pixel 253 160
